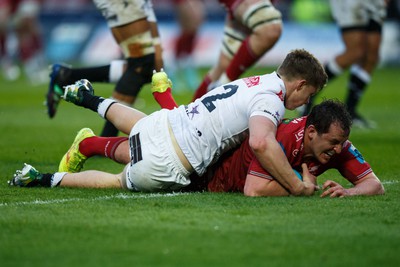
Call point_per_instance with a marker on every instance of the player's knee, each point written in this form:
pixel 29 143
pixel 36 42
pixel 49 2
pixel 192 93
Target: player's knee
pixel 138 73
pixel 138 45
pixel 356 54
pixel 268 34
pixel 231 42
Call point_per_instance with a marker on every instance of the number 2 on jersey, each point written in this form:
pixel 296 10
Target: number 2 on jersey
pixel 208 101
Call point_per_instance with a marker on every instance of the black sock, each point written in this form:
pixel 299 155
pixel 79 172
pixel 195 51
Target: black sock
pixel 331 74
pixel 93 74
pixel 109 130
pixel 90 101
pixel 45 181
pixel 356 90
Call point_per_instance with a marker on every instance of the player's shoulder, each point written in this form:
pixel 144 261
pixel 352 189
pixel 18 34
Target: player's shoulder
pixel 291 131
pixel 251 81
pixel 293 124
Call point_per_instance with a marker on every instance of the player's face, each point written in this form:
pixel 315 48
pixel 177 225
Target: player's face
pixel 300 96
pixel 324 146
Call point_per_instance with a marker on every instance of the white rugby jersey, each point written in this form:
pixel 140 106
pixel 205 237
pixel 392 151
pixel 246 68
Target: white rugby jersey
pixel 219 121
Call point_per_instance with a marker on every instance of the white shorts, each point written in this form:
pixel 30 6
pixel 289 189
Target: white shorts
pixel 154 165
pixel 358 13
pixel 118 13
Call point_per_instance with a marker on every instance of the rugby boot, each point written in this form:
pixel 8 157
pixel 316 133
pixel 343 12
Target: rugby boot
pixel 160 82
pixel 74 93
pixel 58 79
pixel 73 160
pixel 28 176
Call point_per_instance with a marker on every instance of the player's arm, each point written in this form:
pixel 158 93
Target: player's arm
pixel 256 186
pixel 368 185
pixel 268 151
pixel 260 187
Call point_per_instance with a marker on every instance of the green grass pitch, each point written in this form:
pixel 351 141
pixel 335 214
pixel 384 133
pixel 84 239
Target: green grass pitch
pixel 86 227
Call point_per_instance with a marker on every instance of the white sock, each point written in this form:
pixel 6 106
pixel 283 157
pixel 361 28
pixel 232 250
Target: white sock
pixel 334 67
pixel 360 73
pixel 224 79
pixel 104 106
pixel 56 178
pixel 117 68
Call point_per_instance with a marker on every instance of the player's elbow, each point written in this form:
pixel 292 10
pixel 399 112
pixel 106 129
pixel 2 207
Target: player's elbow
pixel 273 190
pixel 258 145
pixel 373 187
pixel 376 189
pixel 376 186
pixel 380 190
pixel 252 187
pixel 251 192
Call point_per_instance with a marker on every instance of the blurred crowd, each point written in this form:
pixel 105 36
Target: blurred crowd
pixel 22 41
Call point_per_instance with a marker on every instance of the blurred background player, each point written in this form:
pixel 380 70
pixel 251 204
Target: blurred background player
pixel 360 23
pixel 252 27
pixel 21 40
pixel 190 16
pixel 134 27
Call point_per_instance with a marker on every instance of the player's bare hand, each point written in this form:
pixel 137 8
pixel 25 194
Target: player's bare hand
pixel 333 189
pixel 309 181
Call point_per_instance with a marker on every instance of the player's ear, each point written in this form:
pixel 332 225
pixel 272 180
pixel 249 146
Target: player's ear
pixel 311 131
pixel 301 84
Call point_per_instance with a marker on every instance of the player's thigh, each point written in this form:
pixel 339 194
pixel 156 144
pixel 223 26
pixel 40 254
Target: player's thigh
pixel 123 117
pixel 126 31
pixel 119 13
pixel 355 44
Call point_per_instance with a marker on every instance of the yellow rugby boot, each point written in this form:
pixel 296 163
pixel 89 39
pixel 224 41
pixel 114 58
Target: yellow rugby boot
pixel 160 82
pixel 73 160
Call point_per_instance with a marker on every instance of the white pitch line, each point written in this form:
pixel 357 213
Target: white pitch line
pixel 118 196
pixel 390 182
pixel 64 200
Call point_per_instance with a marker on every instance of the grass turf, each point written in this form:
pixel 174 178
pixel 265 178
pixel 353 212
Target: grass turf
pixel 87 227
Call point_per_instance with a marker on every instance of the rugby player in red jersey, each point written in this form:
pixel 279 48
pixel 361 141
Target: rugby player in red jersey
pixel 314 143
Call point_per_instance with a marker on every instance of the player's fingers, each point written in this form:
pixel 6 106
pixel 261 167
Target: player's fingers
pixel 335 194
pixel 329 183
pixel 304 168
pixel 324 194
pixel 328 192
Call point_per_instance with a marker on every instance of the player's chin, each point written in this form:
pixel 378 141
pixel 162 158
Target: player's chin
pixel 289 106
pixel 324 158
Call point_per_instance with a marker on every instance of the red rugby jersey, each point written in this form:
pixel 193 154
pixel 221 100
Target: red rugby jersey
pixel 229 174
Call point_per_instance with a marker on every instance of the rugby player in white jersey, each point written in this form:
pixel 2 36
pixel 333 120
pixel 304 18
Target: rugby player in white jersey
pixel 168 145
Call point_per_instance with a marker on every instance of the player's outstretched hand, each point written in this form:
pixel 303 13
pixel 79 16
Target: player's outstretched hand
pixel 334 189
